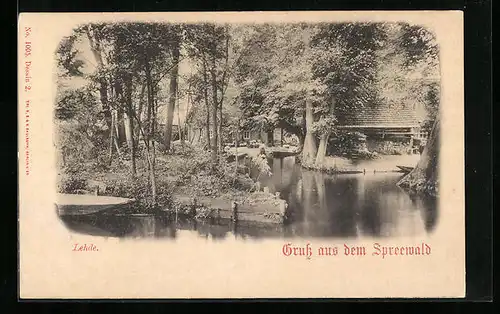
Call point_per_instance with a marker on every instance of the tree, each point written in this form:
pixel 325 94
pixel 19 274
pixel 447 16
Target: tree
pixel 424 177
pixel 174 73
pixel 345 62
pixel 408 70
pixel 131 59
pixel 275 77
pixel 207 45
pixel 420 52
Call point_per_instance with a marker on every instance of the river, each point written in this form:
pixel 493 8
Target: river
pixel 320 205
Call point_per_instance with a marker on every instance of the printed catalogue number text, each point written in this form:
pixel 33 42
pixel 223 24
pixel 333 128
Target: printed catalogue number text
pixel 27 102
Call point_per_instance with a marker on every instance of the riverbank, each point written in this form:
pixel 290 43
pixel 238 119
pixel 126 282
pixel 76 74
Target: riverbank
pixel 270 150
pixel 319 205
pixel 187 184
pixel 254 207
pixel 341 165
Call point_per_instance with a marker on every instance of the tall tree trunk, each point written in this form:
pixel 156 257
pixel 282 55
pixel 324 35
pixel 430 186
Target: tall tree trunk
pixel 124 99
pixel 424 177
pixel 309 149
pixel 207 104
pixel 150 151
pixel 301 142
pixel 149 161
pixel 149 89
pixel 195 135
pixel 215 107
pixel 117 94
pixel 129 124
pixel 323 142
pixel 120 126
pixel 174 73
pixel 103 92
pixel 187 128
pixel 223 89
pixel 219 129
pixel 111 137
pixel 139 115
pixel 236 142
pixel 179 126
pixel 95 47
pixel 198 138
pixel 179 129
pixel 154 124
pixel 130 141
pixel 115 137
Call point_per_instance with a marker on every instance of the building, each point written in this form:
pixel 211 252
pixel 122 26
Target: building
pixel 269 138
pixel 388 128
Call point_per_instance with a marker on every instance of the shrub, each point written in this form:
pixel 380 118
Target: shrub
pixel 261 165
pixel 244 182
pixel 391 148
pixel 365 154
pixel 100 163
pixel 187 163
pixel 204 213
pixel 182 148
pixel 71 184
pixel 139 189
pixel 345 143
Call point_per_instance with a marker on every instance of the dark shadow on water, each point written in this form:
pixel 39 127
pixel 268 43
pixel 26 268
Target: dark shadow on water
pixel 162 226
pixel 320 205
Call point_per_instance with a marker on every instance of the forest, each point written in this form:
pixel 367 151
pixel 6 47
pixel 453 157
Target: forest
pixel 122 86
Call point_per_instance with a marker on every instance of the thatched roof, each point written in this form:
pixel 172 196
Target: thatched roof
pixel 382 116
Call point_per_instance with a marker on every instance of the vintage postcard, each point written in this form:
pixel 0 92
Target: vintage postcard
pixel 241 155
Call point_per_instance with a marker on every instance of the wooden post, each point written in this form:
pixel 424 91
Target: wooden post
pixel 234 207
pixel 176 214
pixel 411 145
pixel 193 207
pixel 283 210
pixel 217 217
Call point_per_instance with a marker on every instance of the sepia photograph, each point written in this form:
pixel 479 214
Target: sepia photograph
pixel 249 130
pixel 241 155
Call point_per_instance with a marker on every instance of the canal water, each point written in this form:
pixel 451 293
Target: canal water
pixel 320 205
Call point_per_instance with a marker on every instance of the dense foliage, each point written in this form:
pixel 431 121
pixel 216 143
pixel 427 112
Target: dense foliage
pixel 116 79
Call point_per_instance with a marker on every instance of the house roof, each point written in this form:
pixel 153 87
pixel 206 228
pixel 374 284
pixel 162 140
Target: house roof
pixel 390 115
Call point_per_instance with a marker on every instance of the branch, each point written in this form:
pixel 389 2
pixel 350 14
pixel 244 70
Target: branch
pixel 155 83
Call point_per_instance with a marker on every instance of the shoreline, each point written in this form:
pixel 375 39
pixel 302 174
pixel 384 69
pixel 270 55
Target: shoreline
pixel 341 165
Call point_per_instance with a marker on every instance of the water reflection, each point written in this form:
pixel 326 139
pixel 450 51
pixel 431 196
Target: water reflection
pixel 320 205
pixel 163 227
pixel 350 205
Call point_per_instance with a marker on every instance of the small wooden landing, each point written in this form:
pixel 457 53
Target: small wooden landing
pixel 80 204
